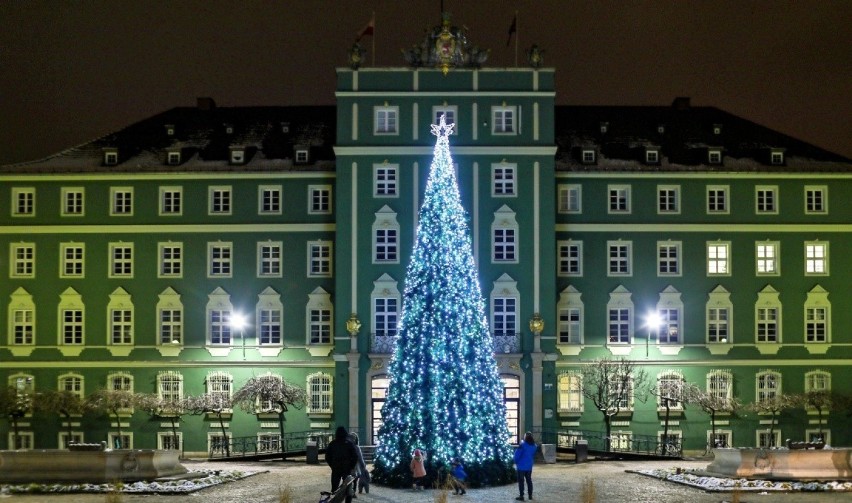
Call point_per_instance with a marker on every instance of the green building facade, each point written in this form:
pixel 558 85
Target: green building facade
pixel 130 256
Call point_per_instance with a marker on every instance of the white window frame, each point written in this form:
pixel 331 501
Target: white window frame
pixel 386 231
pixel 816 258
pixel 121 201
pixel 219 386
pixel 120 260
pixel 320 386
pixel 269 313
pixel 385 310
pixel 767 385
pixel 816 199
pixel 165 438
pixel 170 386
pixel 718 200
pixel 173 157
pixel 220 200
pixel 670 310
pixel 24 440
pixel 766 200
pixel 385 180
pixel 570 393
pixel 110 158
pixel 22 260
pixel 505 239
pixel 620 264
pixel 588 156
pixel 668 261
pixel 718 258
pixel 23 201
pixel 169 198
pixel 120 315
pixel 21 319
pixel 302 155
pixel 504 180
pixel 169 262
pixel 767 317
pixel 269 259
pixel 570 199
pixel 652 156
pixel 319 200
pixel 767 255
pixel 269 199
pixel 452 116
pixel 74 266
pixel 505 120
pixel 619 200
pixel 505 307
pixel 663 378
pixel 320 259
pixel 668 199
pixel 238 155
pixel 720 384
pixel 776 158
pixel 169 318
pixel 817 317
pixel 72 383
pixel 570 311
pixel 718 330
pixel 220 259
pixel 714 156
pixel 622 326
pixel 319 329
pixel 219 312
pixel 386 120
pixel 73 202
pixel 569 255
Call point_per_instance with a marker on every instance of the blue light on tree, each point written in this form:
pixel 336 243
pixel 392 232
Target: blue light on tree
pixel 445 395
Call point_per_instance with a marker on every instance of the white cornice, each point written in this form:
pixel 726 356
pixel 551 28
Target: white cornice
pixel 549 150
pixel 132 177
pixel 725 227
pixel 163 228
pixel 695 175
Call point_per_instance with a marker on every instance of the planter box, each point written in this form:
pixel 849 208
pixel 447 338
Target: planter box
pixel 101 466
pixel 782 464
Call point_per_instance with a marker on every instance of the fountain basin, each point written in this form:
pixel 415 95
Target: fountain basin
pixel 782 464
pixel 97 467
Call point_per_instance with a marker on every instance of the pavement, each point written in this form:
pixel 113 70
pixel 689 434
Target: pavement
pixel 559 482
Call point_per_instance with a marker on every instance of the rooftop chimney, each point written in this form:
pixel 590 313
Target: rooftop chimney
pixel 206 103
pixel 681 103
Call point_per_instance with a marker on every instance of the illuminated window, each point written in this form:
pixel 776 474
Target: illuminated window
pixel 571 392
pixel 766 254
pixel 816 258
pixel 718 259
pixel 385 120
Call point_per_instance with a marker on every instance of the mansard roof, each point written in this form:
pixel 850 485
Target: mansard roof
pixel 205 136
pixel 683 135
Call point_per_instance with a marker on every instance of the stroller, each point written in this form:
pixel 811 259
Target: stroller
pixel 338 496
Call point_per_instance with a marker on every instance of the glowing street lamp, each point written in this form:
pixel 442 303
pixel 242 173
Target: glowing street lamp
pixel 653 321
pixel 238 323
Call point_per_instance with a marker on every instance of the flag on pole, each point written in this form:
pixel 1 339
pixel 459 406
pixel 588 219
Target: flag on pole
pixel 367 30
pixel 512 29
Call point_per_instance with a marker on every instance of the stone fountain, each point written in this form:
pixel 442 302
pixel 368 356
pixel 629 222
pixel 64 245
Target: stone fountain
pixel 797 463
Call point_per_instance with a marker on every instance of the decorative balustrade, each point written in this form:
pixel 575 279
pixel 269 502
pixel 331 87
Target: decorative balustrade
pixel 504 342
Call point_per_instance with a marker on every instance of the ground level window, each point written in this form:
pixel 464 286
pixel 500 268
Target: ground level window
pixel 168 441
pixel 269 442
pixel 512 399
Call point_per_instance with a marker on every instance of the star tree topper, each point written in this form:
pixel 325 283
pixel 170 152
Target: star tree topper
pixel 442 130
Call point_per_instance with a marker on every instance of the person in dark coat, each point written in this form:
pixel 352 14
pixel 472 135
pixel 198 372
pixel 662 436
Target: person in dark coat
pixel 524 457
pixel 342 457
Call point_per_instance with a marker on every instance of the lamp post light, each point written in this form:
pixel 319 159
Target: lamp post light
pixel 239 322
pixel 353 325
pixel 653 320
pixel 536 327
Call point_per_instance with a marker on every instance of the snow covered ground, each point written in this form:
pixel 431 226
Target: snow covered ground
pixel 186 483
pixel 719 484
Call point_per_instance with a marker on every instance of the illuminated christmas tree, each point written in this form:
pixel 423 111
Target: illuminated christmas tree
pixel 445 395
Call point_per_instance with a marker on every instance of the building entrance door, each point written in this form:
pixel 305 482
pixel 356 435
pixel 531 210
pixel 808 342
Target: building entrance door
pixel 378 395
pixel 512 399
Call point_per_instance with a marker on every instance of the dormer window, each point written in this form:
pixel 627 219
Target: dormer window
pixel 173 158
pixel 714 156
pixel 111 157
pixel 170 130
pixel 661 129
pixel 302 155
pixel 776 157
pixel 588 156
pixel 238 155
pixel 285 127
pixel 604 127
pixel 652 156
pixel 229 129
pixel 717 129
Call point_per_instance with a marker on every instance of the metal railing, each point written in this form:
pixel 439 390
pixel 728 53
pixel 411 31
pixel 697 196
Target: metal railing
pixel 269 444
pixel 619 442
pixel 504 342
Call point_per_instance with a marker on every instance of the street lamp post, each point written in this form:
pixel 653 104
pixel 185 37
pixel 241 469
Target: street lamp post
pixel 653 320
pixel 238 322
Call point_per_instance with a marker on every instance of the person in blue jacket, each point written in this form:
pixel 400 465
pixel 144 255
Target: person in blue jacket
pixel 458 477
pixel 524 456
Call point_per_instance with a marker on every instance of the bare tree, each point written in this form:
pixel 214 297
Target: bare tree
pixel 712 403
pixel 157 406
pixel 611 385
pixel 15 403
pixel 114 403
pixel 217 404
pixel 274 391
pixel 62 402
pixel 670 392
pixel 821 400
pixel 774 406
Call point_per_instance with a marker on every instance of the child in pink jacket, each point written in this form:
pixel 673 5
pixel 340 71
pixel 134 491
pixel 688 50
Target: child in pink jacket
pixel 418 469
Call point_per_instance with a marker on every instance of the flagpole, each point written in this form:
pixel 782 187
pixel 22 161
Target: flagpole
pixel 517 36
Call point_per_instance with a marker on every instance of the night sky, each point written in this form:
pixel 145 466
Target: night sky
pixel 72 71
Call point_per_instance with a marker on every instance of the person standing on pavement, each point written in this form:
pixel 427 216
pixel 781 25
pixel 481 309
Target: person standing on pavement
pixel 418 470
pixel 524 457
pixel 342 456
pixel 362 476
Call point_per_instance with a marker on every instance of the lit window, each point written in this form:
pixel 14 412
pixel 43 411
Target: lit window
pixel 766 254
pixel 503 120
pixel 170 386
pixel 718 259
pixel 768 386
pixel 669 390
pixel 571 392
pixel 816 259
pixel 720 385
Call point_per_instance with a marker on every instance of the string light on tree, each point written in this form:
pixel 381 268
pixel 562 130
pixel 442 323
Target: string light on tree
pixel 445 395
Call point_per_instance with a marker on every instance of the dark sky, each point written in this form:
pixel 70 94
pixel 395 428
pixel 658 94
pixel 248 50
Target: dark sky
pixel 71 71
